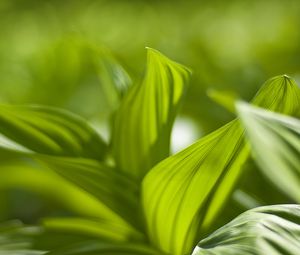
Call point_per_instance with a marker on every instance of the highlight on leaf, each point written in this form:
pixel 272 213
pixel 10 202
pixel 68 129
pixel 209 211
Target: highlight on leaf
pixel 132 199
pixel 182 195
pixel 275 143
pixel 273 230
pixel 143 123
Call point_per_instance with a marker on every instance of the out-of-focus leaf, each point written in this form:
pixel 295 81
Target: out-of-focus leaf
pixel 69 236
pixel 142 125
pixel 106 248
pixel 116 191
pixel 223 98
pixel 72 72
pixel 90 236
pixel 182 195
pixel 275 142
pixel 272 230
pixel 50 131
pixel 114 80
pixel 97 228
pixel 22 174
pixel 16 239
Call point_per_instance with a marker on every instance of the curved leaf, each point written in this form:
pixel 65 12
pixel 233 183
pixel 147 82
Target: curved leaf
pixel 272 230
pixel 105 248
pixel 182 195
pixel 275 141
pixel 50 131
pixel 62 237
pixel 17 239
pixel 97 228
pixel 142 125
pixel 117 192
pixel 115 82
pixel 24 176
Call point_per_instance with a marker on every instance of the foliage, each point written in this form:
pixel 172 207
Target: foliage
pixel 152 202
pixel 264 230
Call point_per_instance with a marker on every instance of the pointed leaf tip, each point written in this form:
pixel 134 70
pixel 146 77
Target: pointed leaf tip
pixel 183 194
pixel 143 123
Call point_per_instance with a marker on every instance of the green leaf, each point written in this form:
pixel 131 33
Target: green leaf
pixel 17 239
pixel 75 73
pixel 183 194
pixel 117 192
pixel 106 248
pixel 115 82
pixel 223 98
pixel 23 174
pixel 275 142
pixel 143 123
pixel 50 131
pixel 272 230
pixel 274 91
pixel 70 236
pixel 90 236
pixel 97 228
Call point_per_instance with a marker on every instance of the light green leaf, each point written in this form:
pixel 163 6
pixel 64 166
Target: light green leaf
pixel 223 98
pixel 182 195
pixel 142 125
pixel 114 190
pixel 51 131
pixel 271 230
pixel 276 89
pixel 275 142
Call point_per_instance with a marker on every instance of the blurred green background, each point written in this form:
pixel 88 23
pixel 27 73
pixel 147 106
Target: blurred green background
pixel 64 53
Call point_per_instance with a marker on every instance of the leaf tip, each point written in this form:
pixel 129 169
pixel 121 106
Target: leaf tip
pixel 152 53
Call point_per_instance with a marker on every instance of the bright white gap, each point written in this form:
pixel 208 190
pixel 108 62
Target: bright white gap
pixel 185 132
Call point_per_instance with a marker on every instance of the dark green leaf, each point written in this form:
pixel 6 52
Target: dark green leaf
pixel 24 175
pixel 105 248
pixel 97 228
pixel 114 190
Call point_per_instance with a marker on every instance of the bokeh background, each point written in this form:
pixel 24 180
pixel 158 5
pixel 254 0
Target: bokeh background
pixel 65 52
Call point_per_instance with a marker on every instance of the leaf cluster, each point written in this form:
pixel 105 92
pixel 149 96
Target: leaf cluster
pixel 148 201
